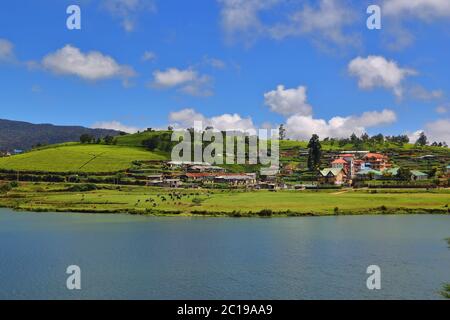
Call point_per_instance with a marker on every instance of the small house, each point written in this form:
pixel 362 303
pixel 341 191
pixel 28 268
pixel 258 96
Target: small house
pixel 336 176
pixel 418 175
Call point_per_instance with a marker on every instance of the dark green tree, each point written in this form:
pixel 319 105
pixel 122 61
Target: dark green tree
pixel 315 153
pixel 109 139
pixel 404 174
pixel 282 132
pixel 423 140
pixel 86 138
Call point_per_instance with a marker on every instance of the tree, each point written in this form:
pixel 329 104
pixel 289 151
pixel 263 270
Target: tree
pixel 365 137
pixel 404 174
pixel 315 153
pixel 151 143
pixel 423 140
pixel 282 132
pixel 86 138
pixel 109 139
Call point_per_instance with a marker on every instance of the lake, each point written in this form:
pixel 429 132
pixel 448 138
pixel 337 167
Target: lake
pixel 134 257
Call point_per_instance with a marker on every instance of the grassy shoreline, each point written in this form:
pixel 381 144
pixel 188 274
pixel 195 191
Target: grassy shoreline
pixel 134 200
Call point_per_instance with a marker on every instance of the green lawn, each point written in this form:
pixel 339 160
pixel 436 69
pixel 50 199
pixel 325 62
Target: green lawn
pixel 78 158
pixel 54 197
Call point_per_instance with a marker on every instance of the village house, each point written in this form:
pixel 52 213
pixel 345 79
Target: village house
pixel 237 179
pixel 418 175
pixel 376 161
pixel 158 180
pixel 334 176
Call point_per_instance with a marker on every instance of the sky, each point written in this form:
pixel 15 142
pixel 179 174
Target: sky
pixel 233 64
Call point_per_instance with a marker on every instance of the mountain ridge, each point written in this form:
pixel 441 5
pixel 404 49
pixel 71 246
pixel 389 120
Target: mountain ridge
pixel 24 135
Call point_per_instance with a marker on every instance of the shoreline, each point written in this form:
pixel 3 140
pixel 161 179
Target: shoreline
pixel 212 214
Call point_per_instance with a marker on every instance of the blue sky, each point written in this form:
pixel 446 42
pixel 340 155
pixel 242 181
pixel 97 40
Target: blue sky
pixel 312 65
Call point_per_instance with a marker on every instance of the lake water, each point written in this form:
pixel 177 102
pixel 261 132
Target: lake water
pixel 129 257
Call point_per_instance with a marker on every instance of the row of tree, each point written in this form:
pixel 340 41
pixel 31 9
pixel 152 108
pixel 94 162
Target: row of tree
pixel 87 138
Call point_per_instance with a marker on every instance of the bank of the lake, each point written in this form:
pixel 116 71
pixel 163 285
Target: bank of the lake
pixel 47 197
pixel 125 257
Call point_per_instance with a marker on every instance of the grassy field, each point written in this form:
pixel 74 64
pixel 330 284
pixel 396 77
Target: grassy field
pixel 143 200
pixel 78 158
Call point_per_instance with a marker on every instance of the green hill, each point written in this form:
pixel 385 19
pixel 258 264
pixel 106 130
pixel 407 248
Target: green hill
pixel 79 158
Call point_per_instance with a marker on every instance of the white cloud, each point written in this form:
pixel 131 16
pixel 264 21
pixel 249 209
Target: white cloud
pixel 414 136
pixel 149 56
pixel 114 125
pixel 288 101
pixel 88 66
pixel 215 63
pixel 442 109
pixel 377 71
pixel 6 50
pixel 326 21
pixel 423 9
pixel 396 12
pixel 128 10
pixel 438 131
pixel 302 127
pixel 241 17
pixel 421 93
pixel 187 81
pixel 226 122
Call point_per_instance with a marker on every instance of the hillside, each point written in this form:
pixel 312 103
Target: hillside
pixel 75 157
pixel 24 135
pixel 95 158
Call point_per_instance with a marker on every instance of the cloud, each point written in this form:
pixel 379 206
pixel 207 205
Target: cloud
pixel 241 17
pixel 438 131
pixel 214 62
pixel 395 12
pixel 187 81
pixel 422 9
pixel 288 101
pixel 377 71
pixel 6 51
pixel 414 136
pixel 88 66
pixel 325 22
pixel 149 56
pixel 226 122
pixel 421 93
pixel 442 109
pixel 302 127
pixel 128 11
pixel 114 125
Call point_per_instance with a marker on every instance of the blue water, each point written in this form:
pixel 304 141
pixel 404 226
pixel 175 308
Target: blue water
pixel 128 257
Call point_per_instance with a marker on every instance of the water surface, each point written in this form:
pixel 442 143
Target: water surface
pixel 129 257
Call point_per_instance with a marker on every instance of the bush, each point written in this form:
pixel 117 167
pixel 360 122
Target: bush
pixel 197 201
pixel 82 187
pixel 265 213
pixel 5 188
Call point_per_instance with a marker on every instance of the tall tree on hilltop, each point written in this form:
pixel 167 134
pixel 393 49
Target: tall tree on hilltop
pixel 315 153
pixel 423 140
pixel 282 132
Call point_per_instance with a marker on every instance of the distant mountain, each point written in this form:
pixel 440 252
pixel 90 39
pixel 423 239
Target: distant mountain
pixel 24 135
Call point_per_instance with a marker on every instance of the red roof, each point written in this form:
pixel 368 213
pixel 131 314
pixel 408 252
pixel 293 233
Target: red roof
pixel 375 155
pixel 347 155
pixel 339 161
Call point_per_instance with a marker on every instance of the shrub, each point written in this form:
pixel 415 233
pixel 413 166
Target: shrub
pixel 265 213
pixel 82 187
